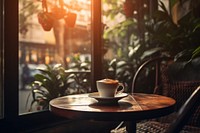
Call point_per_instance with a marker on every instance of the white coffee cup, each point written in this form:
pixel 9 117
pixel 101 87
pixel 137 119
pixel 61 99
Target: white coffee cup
pixel 109 87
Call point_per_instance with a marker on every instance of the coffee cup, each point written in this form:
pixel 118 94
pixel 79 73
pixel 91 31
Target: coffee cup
pixel 109 87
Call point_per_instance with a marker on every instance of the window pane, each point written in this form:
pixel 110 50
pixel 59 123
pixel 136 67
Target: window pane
pixel 120 23
pixel 59 33
pixel 124 37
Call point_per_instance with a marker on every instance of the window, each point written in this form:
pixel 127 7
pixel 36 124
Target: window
pixel 59 39
pixel 37 51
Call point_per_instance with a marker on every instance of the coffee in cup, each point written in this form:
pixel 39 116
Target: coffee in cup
pixel 109 87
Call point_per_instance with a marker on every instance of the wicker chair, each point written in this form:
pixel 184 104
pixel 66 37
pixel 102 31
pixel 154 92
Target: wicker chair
pixel 179 90
pixel 177 125
pixel 157 64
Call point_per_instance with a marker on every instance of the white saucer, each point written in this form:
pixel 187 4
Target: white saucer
pixel 107 100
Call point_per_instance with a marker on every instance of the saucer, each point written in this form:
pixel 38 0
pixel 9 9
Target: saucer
pixel 107 100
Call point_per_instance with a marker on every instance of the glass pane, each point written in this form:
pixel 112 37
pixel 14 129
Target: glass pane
pixel 1 59
pixel 52 33
pixel 124 37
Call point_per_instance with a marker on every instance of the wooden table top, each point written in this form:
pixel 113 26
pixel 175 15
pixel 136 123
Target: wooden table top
pixel 137 106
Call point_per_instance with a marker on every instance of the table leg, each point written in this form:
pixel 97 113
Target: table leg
pixel 131 126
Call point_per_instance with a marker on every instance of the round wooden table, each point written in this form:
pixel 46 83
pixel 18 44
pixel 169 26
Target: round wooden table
pixel 137 106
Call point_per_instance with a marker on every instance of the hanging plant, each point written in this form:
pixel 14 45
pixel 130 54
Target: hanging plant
pixel 70 19
pixel 46 18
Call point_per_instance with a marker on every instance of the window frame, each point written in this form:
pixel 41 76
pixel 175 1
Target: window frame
pixel 1 60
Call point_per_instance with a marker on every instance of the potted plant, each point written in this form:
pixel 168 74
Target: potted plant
pixel 55 81
pixel 51 83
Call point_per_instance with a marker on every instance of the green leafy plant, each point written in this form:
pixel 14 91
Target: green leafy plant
pixel 55 81
pixel 196 52
pixel 81 73
pixel 163 37
pixel 127 47
pixel 51 83
pixel 125 41
pixel 180 40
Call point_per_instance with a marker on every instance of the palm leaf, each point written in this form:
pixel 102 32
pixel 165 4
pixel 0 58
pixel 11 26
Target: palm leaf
pixel 196 52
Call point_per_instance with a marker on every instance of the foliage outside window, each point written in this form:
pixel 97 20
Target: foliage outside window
pixel 124 37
